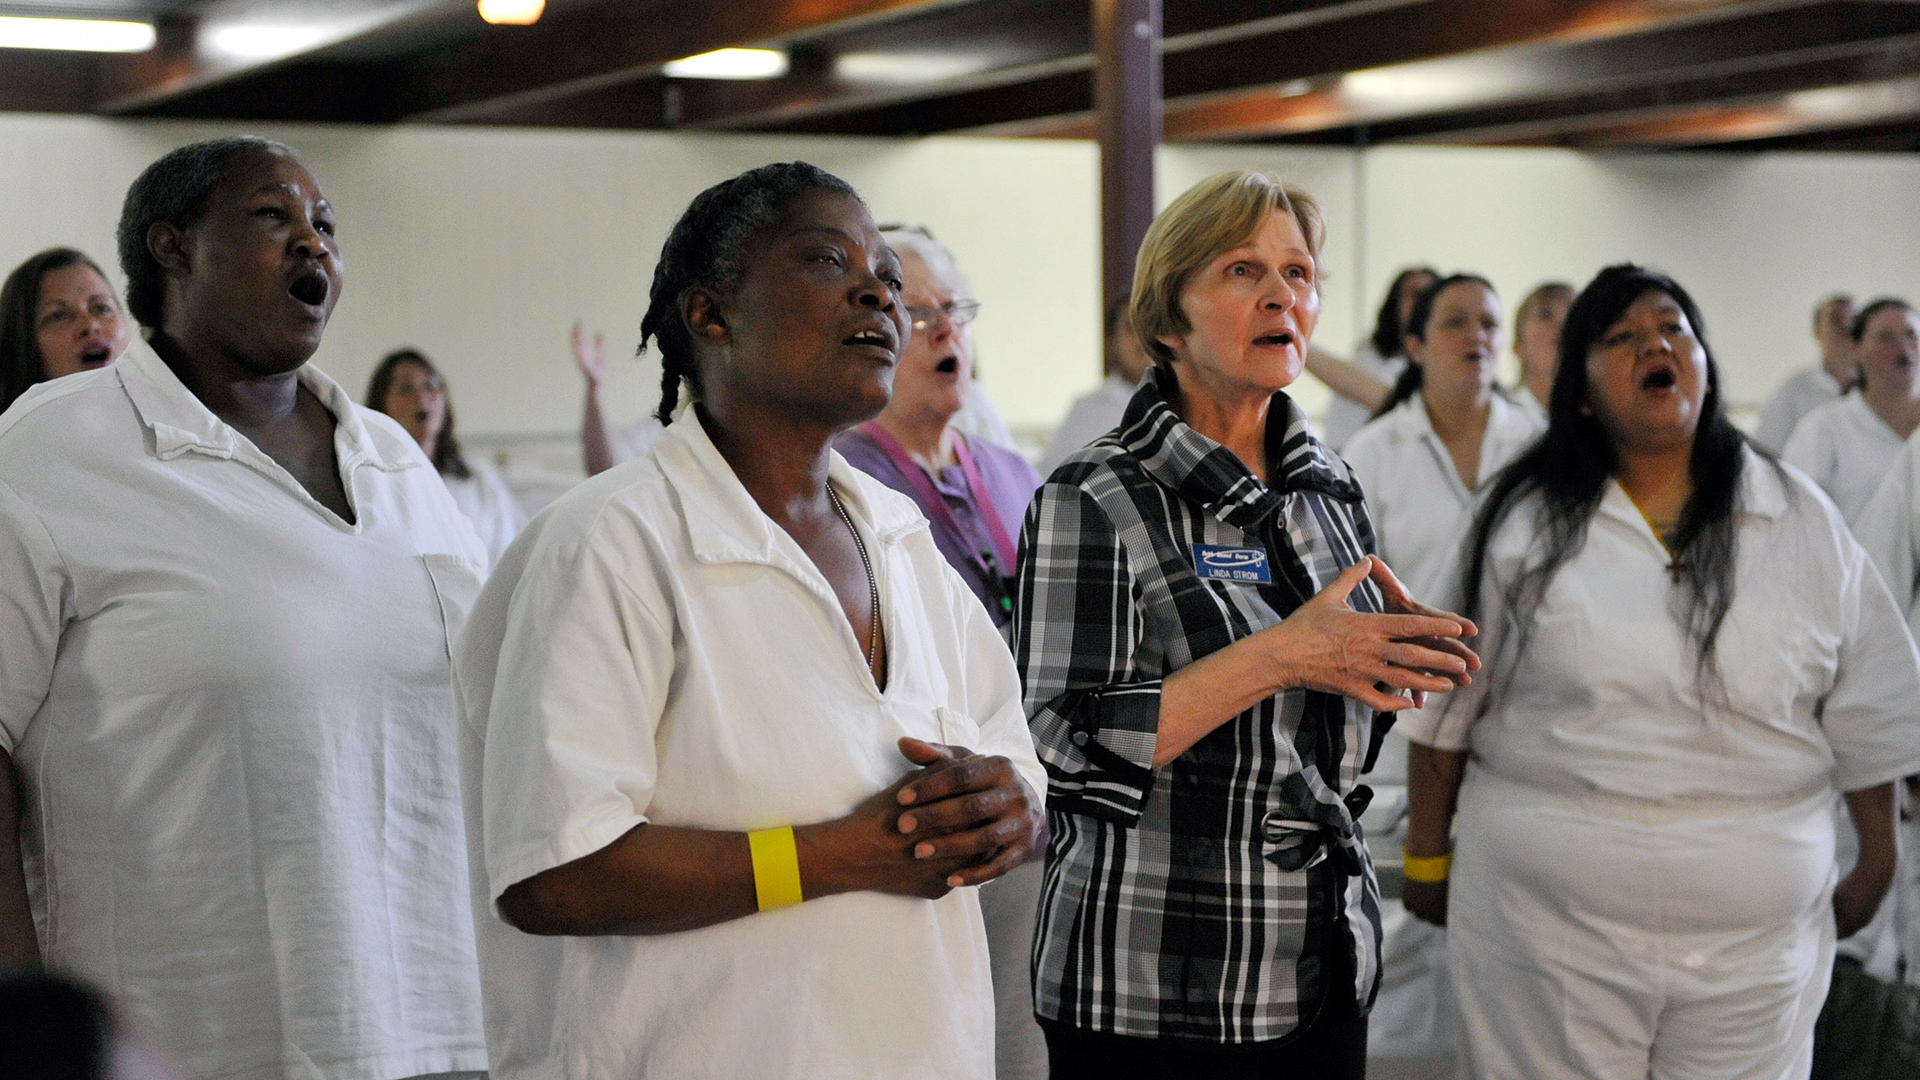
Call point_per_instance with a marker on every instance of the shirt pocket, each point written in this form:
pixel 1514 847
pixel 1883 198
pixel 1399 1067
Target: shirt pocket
pixel 456 583
pixel 957 728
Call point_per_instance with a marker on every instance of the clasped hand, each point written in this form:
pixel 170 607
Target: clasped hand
pixel 958 819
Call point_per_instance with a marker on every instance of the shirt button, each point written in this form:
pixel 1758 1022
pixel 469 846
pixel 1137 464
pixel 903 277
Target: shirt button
pixel 1692 961
pixel 1079 738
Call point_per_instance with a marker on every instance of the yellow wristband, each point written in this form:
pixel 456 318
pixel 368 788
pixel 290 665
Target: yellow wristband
pixel 776 867
pixel 1425 869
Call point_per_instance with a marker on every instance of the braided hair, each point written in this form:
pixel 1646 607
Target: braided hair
pixel 707 248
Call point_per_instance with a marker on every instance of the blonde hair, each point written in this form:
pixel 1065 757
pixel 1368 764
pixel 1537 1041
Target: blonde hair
pixel 1210 218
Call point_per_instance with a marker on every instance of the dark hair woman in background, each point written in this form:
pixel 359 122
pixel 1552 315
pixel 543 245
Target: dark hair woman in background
pixel 1444 434
pixel 227 594
pixel 1847 445
pixel 407 387
pixel 58 315
pixel 1383 355
pixel 1687 654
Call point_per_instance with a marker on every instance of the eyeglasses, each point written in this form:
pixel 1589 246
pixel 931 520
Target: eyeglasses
pixel 958 312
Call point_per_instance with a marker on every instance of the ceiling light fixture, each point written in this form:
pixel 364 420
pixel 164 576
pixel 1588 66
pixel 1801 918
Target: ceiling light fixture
pixel 75 35
pixel 512 12
pixel 730 64
pixel 255 42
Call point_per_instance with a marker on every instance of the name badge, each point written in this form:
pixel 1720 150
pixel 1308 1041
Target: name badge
pixel 1218 563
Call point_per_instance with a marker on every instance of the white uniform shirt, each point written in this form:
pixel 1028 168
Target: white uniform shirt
pixel 1345 415
pixel 489 504
pixel 630 441
pixel 1419 505
pixel 1847 449
pixel 1888 530
pixel 659 650
pixel 234 717
pixel 1093 414
pixel 1821 679
pixel 1803 392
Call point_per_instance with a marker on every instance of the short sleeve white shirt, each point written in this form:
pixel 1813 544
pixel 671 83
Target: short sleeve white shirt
pixel 659 650
pixel 1821 679
pixel 233 713
pixel 483 496
pixel 1847 449
pixel 1889 528
pixel 1092 415
pixel 1419 504
pixel 1802 392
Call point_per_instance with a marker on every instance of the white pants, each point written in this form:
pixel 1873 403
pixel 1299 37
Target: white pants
pixel 1010 905
pixel 1599 938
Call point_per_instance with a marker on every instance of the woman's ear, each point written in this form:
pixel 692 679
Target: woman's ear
pixel 1415 349
pixel 705 320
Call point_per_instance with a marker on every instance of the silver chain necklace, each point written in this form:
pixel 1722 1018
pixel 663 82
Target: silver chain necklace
pixel 873 583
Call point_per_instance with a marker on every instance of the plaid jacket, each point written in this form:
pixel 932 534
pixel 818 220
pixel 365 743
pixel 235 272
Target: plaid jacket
pixel 1200 901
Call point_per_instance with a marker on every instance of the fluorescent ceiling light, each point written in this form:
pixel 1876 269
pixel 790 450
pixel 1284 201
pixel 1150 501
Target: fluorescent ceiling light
pixel 730 64
pixel 909 68
pixel 76 35
pixel 512 12
pixel 256 42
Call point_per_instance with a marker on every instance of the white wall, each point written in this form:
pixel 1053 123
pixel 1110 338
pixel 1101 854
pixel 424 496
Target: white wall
pixel 481 246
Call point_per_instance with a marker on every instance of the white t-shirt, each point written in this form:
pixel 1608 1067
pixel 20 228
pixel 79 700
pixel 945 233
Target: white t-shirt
pixel 489 504
pixel 1093 414
pixel 1821 678
pixel 659 650
pixel 1847 449
pixel 1803 392
pixel 1419 505
pixel 1345 415
pixel 1888 529
pixel 234 717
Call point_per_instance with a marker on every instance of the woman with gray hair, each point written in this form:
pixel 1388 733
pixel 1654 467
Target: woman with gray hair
pixel 973 493
pixel 1205 640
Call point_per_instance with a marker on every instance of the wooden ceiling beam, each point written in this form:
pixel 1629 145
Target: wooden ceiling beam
pixel 188 60
pixel 1290 54
pixel 1802 70
pixel 1802 113
pixel 606 44
pixel 1416 98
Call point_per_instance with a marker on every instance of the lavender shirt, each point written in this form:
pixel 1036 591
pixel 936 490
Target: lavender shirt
pixel 1010 483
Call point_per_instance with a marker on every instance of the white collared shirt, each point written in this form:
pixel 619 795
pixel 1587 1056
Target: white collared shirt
pixel 1847 449
pixel 1092 415
pixel 657 649
pixel 1801 393
pixel 1821 679
pixel 1419 505
pixel 1888 528
pixel 234 717
pixel 483 496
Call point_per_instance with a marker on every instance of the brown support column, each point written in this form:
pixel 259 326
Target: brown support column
pixel 1126 91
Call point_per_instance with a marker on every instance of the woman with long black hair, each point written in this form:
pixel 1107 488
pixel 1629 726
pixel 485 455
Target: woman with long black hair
pixel 1688 655
pixel 1382 357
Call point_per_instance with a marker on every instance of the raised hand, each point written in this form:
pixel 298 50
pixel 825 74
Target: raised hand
pixel 590 355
